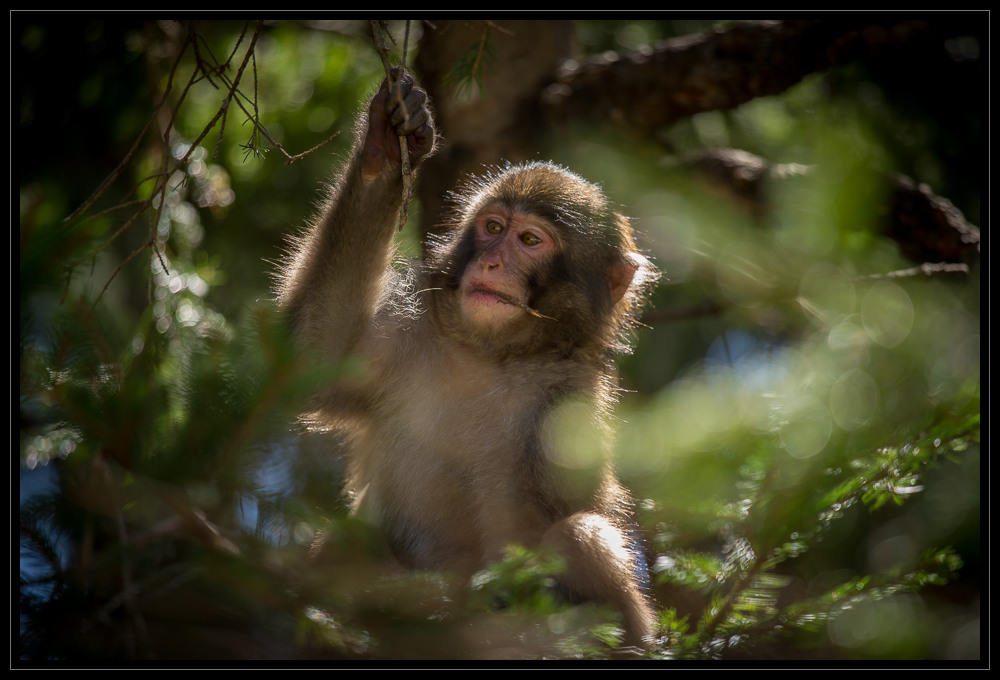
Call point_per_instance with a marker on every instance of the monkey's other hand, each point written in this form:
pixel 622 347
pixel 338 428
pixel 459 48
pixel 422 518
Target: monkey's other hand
pixel 392 113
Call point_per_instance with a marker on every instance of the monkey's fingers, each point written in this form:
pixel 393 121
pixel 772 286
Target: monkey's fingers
pixel 405 109
pixel 412 119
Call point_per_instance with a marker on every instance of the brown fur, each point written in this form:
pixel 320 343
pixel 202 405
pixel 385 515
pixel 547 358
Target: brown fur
pixel 447 423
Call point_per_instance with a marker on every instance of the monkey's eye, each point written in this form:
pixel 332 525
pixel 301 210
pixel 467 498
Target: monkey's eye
pixel 529 239
pixel 493 227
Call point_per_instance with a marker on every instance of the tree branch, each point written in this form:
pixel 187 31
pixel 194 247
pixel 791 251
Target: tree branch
pixel 724 68
pixel 404 153
pixel 927 227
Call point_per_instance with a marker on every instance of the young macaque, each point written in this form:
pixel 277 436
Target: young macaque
pixel 521 306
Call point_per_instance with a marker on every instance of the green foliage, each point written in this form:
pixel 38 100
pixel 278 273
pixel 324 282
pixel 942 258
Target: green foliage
pixel 522 578
pixel 824 450
pixel 469 69
pixel 808 486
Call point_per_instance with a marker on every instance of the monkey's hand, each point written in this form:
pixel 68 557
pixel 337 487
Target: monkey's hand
pixel 400 111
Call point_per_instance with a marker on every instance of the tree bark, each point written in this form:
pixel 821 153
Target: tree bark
pixel 927 227
pixel 724 68
pixel 498 124
pixel 532 84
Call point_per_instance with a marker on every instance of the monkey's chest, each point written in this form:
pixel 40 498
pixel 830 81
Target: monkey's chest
pixel 452 408
pixel 442 467
pixel 465 426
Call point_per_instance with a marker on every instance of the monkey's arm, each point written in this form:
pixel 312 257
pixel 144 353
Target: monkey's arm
pixel 336 271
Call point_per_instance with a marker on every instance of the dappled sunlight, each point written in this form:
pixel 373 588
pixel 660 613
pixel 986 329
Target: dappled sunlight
pixel 797 427
pixel 748 273
pixel 887 314
pixel 854 399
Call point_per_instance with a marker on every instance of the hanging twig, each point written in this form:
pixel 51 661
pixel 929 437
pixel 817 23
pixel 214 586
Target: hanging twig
pixel 404 154
pixel 205 68
pixel 109 180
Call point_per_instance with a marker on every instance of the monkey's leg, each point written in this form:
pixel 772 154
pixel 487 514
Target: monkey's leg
pixel 600 566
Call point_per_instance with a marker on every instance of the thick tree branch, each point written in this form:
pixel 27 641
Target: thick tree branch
pixel 927 227
pixel 725 67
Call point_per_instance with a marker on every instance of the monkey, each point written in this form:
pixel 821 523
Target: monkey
pixel 521 305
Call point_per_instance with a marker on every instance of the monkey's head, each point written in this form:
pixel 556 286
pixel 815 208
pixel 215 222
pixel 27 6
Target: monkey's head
pixel 535 258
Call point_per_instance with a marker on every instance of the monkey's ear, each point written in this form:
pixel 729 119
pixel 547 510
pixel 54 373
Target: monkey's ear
pixel 622 273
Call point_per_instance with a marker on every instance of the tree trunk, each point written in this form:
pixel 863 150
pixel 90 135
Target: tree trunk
pixel 517 60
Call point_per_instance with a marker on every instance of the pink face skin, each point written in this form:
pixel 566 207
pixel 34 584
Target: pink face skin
pixel 509 245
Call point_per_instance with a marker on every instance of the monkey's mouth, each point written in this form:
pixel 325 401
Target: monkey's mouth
pixel 502 297
pixel 508 299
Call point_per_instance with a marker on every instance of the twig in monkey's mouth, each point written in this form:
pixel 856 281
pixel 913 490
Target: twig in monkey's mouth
pixel 511 300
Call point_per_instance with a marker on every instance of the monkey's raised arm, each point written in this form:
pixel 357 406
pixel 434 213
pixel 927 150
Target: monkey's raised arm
pixel 335 270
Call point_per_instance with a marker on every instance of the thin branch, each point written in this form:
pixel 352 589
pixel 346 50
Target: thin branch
pixel 925 269
pixel 161 190
pixel 131 152
pixel 404 153
pixel 300 156
pixel 207 68
pixel 121 266
pixel 707 308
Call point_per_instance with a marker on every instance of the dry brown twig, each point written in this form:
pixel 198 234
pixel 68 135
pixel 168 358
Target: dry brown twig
pixel 404 153
pixel 215 73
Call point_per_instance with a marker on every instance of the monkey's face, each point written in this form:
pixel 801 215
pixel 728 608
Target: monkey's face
pixel 509 247
pixel 533 260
